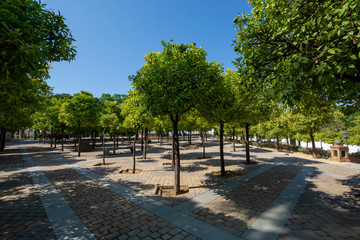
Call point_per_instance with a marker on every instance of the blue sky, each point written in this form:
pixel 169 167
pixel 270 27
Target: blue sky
pixel 113 36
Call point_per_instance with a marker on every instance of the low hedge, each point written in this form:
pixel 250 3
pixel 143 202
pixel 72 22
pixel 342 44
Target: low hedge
pixel 354 157
pixel 290 148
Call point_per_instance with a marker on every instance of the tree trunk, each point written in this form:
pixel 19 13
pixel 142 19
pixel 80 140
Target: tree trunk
pixel 314 155
pixel 277 143
pixel 2 139
pixel 142 140
pixel 247 143
pixel 190 136
pixel 146 142
pixel 134 151
pixel 176 153
pixel 35 134
pixel 92 139
pixel 51 139
pixel 103 146
pixel 79 137
pixel 117 141
pixel 43 137
pixel 234 139
pixel 287 141
pixel 62 140
pixel 203 142
pixel 222 161
pixel 54 140
pixel 173 152
pixel 114 141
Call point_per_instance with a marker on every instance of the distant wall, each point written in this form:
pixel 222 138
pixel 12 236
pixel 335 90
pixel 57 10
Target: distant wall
pixel 326 146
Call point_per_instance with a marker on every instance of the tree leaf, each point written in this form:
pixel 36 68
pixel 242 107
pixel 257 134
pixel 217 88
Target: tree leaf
pixel 332 51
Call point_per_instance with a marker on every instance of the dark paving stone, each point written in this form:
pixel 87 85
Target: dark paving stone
pixel 21 212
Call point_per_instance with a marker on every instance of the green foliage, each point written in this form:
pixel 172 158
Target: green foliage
pixel 52 113
pixel 111 117
pixel 109 120
pixel 320 153
pixel 320 121
pixel 161 125
pixel 81 111
pixel 119 98
pixel 173 81
pixel 31 37
pixel 279 124
pixel 333 128
pixel 304 48
pixel 39 120
pixel 135 112
pixel 222 105
pixel 354 130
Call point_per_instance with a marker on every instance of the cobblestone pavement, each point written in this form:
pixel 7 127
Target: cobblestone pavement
pixel 105 214
pixel 290 197
pixel 238 209
pixel 21 212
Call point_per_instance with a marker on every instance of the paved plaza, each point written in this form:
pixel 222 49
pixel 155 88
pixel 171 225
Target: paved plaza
pixel 50 194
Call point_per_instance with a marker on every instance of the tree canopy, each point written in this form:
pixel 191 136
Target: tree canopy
pixel 172 82
pixel 304 48
pixel 31 38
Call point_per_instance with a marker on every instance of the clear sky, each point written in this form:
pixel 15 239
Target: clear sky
pixel 113 36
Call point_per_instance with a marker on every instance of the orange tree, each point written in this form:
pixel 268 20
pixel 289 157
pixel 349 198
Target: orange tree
pixel 172 82
pixel 31 38
pixel 81 111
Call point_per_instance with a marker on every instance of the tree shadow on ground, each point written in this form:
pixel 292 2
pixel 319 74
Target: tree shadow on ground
pixel 316 213
pixel 303 161
pixel 192 168
pixel 10 157
pixel 335 215
pixel 93 202
pixel 147 161
pixel 39 156
pixel 170 201
pixel 216 162
pixel 21 212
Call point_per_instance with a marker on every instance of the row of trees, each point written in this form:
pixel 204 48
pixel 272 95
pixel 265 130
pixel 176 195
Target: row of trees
pixel 187 92
pixel 298 55
pixel 31 38
pixel 297 62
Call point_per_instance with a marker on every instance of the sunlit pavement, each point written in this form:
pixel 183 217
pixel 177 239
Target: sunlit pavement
pixel 48 194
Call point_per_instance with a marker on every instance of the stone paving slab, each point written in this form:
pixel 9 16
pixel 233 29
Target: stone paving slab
pixel 327 208
pixel 65 222
pixel 22 215
pixel 183 221
pixel 237 210
pixel 324 215
pixel 212 195
pixel 195 173
pixel 270 223
pixel 105 213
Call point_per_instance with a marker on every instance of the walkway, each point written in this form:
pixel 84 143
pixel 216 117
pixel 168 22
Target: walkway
pixel 48 194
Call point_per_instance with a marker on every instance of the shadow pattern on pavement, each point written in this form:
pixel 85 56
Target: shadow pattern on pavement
pixel 21 212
